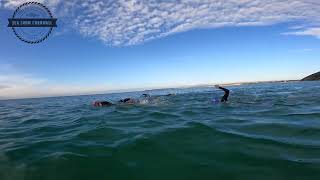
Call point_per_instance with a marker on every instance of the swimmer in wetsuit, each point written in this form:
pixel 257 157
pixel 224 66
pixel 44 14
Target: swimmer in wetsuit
pixel 106 103
pixel 226 93
pixel 145 95
pixel 102 103
pixel 125 101
pixel 149 96
pixel 128 101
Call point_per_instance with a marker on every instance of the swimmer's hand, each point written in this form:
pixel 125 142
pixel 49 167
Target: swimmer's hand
pixel 217 86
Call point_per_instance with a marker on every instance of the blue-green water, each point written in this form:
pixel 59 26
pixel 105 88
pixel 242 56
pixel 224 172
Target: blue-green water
pixel 266 131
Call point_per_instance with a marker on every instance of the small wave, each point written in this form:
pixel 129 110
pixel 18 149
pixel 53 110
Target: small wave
pixel 306 115
pixel 272 139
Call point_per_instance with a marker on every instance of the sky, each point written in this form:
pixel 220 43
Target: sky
pixel 105 46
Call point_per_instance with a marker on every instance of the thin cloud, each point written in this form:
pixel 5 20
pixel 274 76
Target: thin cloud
pixel 3 87
pixel 306 32
pixel 16 84
pixel 131 22
pixel 305 50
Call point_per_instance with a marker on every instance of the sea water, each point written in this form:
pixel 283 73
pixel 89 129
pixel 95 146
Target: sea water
pixel 265 131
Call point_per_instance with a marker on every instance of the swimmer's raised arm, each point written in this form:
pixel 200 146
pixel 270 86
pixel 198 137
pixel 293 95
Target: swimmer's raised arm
pixel 224 89
pixel 226 93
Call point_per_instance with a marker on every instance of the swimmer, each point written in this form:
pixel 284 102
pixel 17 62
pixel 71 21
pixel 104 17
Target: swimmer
pixel 170 94
pixel 122 101
pixel 128 101
pixel 226 93
pixel 102 103
pixel 149 96
pixel 145 96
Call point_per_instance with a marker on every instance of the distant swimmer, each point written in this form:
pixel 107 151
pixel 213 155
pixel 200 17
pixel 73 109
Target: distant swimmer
pixel 170 94
pixel 144 99
pixel 102 103
pixel 129 101
pixel 149 96
pixel 226 93
pixel 145 95
pixel 122 101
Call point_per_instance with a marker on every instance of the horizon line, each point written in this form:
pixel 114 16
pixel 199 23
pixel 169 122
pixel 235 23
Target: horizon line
pixel 144 89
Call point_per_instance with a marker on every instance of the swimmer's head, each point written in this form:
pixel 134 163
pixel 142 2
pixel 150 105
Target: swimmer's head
pixel 145 95
pixel 170 94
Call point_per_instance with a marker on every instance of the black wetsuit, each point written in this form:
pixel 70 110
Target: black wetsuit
pixel 226 94
pixel 106 103
pixel 125 100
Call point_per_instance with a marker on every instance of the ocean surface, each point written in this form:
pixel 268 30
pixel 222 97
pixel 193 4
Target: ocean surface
pixel 267 131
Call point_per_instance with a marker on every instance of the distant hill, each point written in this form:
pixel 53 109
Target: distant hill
pixel 313 77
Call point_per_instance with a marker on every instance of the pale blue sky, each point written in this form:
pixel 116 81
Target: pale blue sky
pixel 73 61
